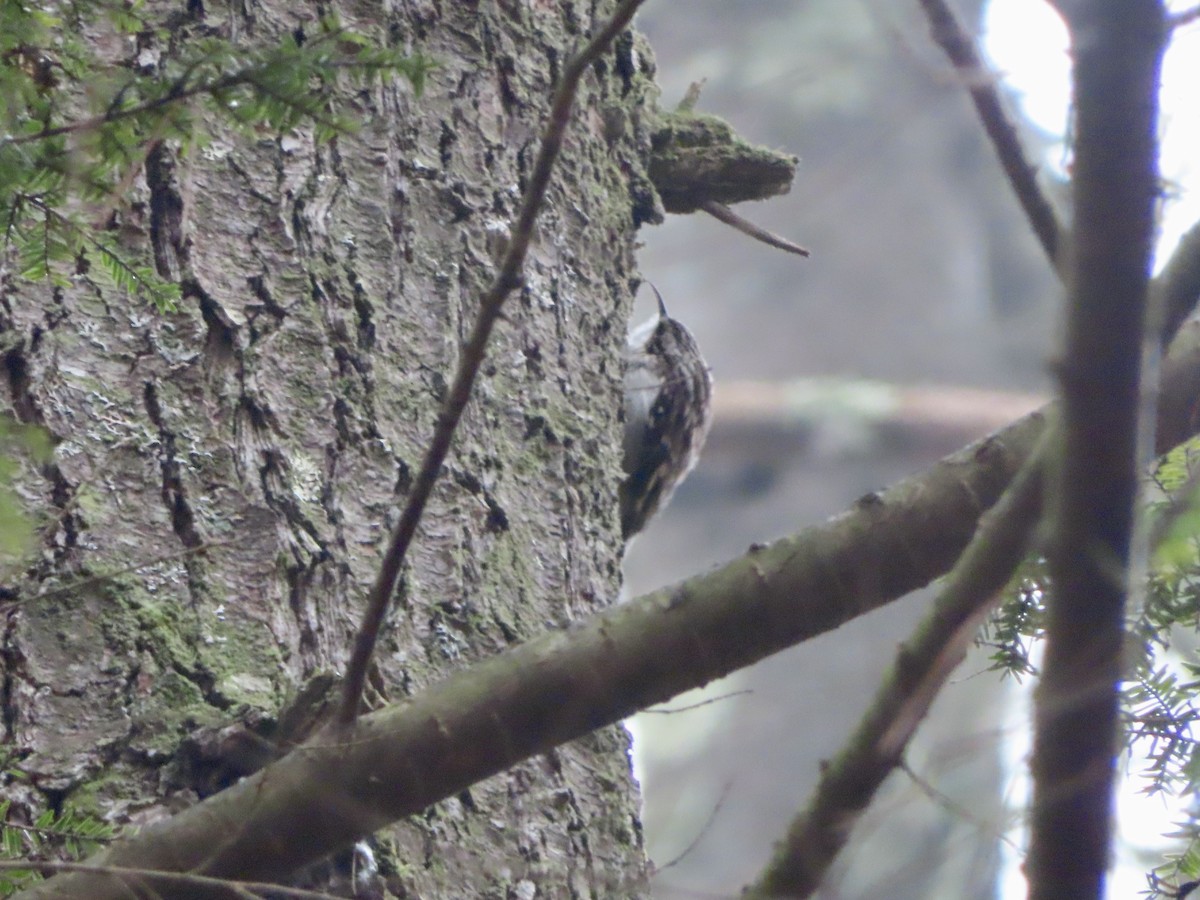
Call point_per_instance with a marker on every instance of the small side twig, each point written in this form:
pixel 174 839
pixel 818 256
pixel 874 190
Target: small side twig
pixel 674 711
pixel 470 359
pixel 724 214
pixel 138 879
pixel 949 34
pixel 955 808
pixel 695 841
pixel 691 97
pixel 1183 17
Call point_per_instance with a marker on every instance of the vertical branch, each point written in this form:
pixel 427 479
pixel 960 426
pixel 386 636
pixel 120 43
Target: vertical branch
pixel 470 359
pixel 1117 47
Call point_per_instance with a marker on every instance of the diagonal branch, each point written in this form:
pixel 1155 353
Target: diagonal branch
pixel 849 781
pixel 469 360
pixel 1177 290
pixel 981 85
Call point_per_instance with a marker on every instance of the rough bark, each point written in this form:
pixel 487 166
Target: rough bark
pixel 258 443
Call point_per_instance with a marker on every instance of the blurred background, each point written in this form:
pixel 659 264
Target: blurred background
pixel 923 320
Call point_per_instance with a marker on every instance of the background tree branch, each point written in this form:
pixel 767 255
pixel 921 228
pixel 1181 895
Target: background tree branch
pixel 980 83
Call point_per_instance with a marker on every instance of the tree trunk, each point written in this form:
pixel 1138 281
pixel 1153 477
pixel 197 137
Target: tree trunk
pixel 226 474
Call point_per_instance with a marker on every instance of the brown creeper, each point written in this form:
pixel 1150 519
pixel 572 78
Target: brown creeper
pixel 668 408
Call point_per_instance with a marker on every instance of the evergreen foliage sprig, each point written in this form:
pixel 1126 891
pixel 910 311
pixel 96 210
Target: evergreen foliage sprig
pixel 69 834
pixel 75 130
pixel 1161 693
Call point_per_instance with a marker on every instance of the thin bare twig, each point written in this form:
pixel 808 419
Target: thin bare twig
pixel 981 84
pixel 695 842
pixel 469 361
pixel 956 809
pixel 251 890
pixel 676 710
pixel 724 214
